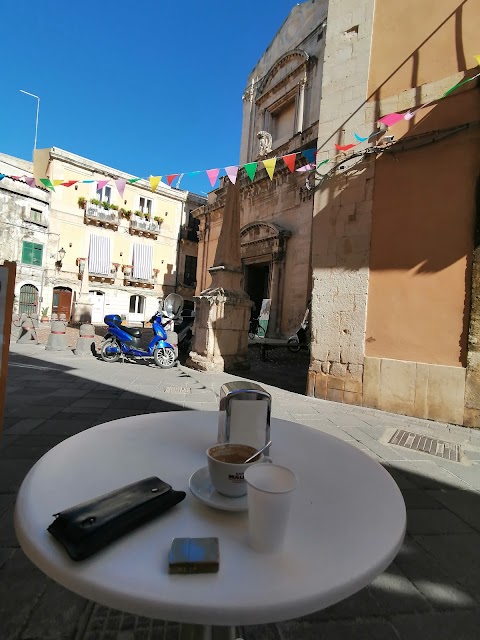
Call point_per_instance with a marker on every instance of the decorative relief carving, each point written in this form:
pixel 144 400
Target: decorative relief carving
pixel 264 143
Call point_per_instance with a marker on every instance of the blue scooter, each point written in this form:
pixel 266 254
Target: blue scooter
pixel 125 341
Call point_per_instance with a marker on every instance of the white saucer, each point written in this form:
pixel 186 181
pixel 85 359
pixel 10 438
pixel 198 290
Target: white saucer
pixel 202 488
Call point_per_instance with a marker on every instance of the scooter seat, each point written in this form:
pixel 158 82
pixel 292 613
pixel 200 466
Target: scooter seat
pixel 135 332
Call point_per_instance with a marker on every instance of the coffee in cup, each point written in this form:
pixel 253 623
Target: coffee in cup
pixel 226 465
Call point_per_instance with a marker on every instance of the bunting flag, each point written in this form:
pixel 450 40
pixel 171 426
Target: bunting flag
pixel 57 183
pixel 87 181
pixel 270 166
pixel 120 184
pixel 2 176
pixel 132 180
pixel 290 161
pixel 344 147
pixel 47 183
pixel 323 162
pixel 154 180
pixel 193 173
pixel 251 169
pixel 360 139
pixel 30 181
pixel 391 118
pixel 171 178
pixel 309 154
pixel 101 184
pixel 307 167
pixel 69 183
pixel 212 175
pixel 232 173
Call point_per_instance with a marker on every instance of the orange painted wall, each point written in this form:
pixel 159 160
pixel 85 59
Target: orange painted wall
pixel 422 243
pixel 419 41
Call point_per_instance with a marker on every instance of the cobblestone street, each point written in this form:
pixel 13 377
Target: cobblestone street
pixel 430 591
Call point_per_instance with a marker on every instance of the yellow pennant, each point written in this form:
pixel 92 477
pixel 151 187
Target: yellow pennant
pixel 154 182
pixel 57 182
pixel 477 58
pixel 270 166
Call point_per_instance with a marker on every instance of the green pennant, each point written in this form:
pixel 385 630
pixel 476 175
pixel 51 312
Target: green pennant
pixel 251 169
pixel 323 162
pixel 459 84
pixel 132 180
pixel 47 183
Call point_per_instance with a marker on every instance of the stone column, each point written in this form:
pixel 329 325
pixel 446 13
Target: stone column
pixel 82 308
pixel 222 312
pixel 275 295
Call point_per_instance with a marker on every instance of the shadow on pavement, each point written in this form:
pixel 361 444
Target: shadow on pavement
pixel 431 590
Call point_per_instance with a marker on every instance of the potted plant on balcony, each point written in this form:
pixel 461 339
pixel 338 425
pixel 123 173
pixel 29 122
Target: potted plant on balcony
pixel 95 202
pixel 82 203
pixel 44 314
pixel 158 219
pixel 114 207
pixel 147 216
pixel 127 269
pixel 106 205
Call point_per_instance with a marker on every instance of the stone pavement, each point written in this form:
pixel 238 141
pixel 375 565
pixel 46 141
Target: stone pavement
pixel 431 590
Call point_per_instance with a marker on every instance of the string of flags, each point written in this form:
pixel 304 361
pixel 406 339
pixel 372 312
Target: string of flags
pixel 251 167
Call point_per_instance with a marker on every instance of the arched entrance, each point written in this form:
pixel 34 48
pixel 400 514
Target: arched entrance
pixel 28 301
pixel 62 301
pixel 97 298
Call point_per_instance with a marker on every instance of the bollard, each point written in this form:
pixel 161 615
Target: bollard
pixel 27 332
pixel 57 340
pixel 15 327
pixel 54 317
pixel 63 318
pixel 86 340
pixel 34 319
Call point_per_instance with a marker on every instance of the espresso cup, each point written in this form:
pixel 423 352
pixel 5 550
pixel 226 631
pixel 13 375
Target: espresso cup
pixel 226 465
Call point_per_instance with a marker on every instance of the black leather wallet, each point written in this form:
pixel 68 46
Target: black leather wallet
pixel 90 526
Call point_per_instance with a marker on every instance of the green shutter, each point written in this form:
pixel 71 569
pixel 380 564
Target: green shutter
pixel 32 253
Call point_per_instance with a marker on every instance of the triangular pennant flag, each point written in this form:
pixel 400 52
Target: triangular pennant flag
pixel 391 119
pixel 477 58
pixel 101 184
pixel 47 183
pixel 2 176
pixel 307 167
pixel 213 175
pixel 359 138
pixel 344 147
pixel 69 183
pixel 57 183
pixel 87 181
pixel 193 173
pixel 30 181
pixel 290 161
pixel 459 84
pixel 172 177
pixel 132 180
pixel 154 180
pixel 309 154
pixel 232 173
pixel 270 166
pixel 120 184
pixel 323 162
pixel 251 169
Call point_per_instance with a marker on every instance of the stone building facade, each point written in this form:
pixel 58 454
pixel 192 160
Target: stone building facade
pixel 280 117
pixel 393 242
pixel 24 223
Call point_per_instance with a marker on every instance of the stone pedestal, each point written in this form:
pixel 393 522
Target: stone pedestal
pixel 222 312
pixel 82 311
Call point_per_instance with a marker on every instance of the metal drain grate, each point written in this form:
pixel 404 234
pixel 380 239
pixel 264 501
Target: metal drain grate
pixel 417 442
pixel 177 390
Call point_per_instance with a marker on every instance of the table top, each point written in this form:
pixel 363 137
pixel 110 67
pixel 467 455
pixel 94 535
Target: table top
pixel 346 525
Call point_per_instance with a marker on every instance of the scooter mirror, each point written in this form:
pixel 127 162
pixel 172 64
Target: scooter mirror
pixel 173 305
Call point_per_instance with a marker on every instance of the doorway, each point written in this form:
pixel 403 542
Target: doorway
pixel 62 301
pixel 136 310
pixel 257 278
pixel 97 298
pixel 28 302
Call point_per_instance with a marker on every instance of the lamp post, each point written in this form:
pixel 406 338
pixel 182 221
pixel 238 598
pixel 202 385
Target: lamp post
pixel 36 119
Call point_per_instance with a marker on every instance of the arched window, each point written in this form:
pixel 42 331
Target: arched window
pixel 28 302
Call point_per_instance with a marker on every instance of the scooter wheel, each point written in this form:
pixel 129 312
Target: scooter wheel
pixel 293 344
pixel 164 358
pixel 110 351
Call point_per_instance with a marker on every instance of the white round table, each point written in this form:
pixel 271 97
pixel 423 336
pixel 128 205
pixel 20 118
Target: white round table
pixel 347 523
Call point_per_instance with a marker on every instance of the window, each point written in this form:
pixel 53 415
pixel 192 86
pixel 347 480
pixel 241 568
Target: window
pixel 145 205
pixel 32 253
pixel 190 273
pixel 283 122
pixel 35 215
pixel 105 194
pixel 28 299
pixel 137 304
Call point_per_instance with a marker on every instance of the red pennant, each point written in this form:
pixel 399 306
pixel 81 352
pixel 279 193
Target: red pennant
pixel 290 161
pixel 344 147
pixel 69 183
pixel 172 177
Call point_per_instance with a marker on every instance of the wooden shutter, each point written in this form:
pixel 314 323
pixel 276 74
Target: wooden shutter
pixel 32 253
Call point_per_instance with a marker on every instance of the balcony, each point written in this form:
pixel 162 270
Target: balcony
pixel 97 277
pixel 101 217
pixel 143 227
pixel 188 233
pixel 130 281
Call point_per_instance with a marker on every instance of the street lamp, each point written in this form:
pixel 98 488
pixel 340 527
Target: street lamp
pixel 36 120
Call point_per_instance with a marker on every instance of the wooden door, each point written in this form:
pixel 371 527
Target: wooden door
pixel 62 302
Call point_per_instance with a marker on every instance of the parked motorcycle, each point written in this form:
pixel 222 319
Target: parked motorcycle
pixel 184 330
pixel 300 338
pixel 125 341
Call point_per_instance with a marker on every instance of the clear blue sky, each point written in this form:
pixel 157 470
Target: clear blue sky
pixel 145 87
